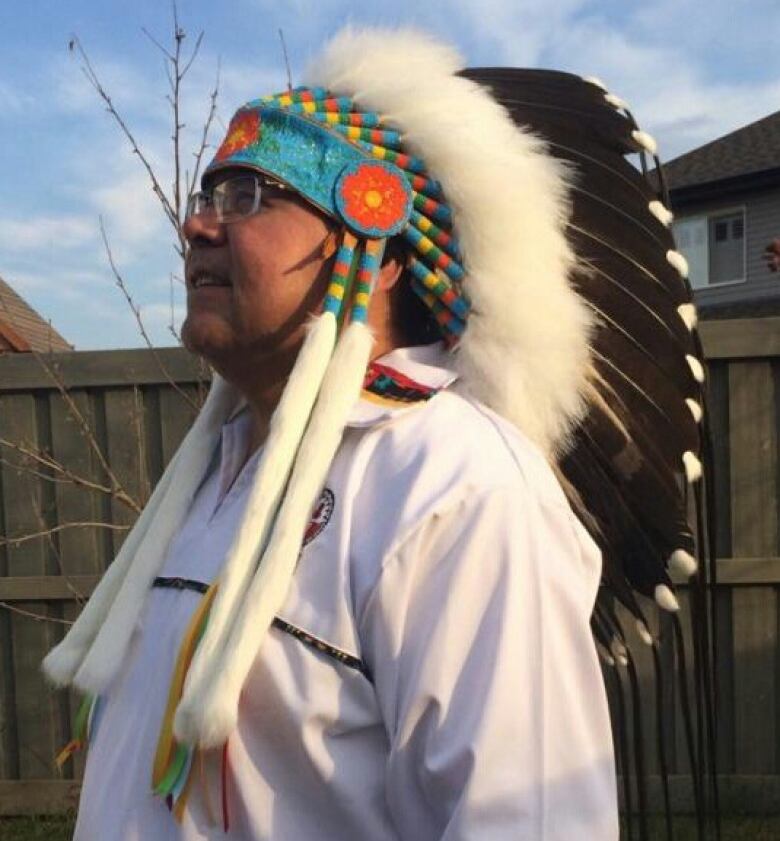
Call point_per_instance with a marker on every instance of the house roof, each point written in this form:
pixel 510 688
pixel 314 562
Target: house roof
pixel 22 329
pixel 750 149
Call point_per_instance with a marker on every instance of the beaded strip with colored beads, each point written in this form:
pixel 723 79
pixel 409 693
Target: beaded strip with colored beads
pixel 341 272
pixel 436 248
pixel 370 263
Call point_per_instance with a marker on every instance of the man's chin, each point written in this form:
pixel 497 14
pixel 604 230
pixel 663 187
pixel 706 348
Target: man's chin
pixel 207 336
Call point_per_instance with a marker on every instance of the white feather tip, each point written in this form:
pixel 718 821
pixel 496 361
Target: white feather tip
pixel 688 314
pixel 645 141
pixel 594 80
pixel 661 212
pixel 644 632
pixel 692 466
pixel 678 261
pixel 697 369
pixel 696 409
pixel 682 563
pixel 666 599
pixel 616 101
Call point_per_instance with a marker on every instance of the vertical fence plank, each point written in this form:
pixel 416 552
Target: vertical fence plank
pixel 176 417
pixel 31 638
pixel 126 449
pixel 754 523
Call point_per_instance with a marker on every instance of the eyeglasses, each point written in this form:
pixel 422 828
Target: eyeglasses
pixel 232 199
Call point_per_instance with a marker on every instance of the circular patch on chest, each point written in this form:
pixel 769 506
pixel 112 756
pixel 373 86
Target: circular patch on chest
pixel 321 516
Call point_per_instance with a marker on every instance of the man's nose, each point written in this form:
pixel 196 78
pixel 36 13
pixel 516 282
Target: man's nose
pixel 204 229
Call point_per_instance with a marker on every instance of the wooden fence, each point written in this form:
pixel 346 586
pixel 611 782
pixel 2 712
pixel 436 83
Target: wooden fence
pixel 136 406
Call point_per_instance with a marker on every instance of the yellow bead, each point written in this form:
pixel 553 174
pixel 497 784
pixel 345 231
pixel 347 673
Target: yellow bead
pixel 373 199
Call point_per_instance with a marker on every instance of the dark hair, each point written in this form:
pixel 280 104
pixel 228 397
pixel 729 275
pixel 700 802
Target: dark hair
pixel 412 319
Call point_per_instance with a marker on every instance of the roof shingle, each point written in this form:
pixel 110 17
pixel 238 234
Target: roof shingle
pixel 750 149
pixel 21 325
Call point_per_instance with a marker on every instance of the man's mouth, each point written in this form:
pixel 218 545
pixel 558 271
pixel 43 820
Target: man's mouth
pixel 203 279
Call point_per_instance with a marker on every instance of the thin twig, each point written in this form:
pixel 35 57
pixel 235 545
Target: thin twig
pixel 16 541
pixel 204 136
pixel 39 617
pixel 49 461
pixel 286 61
pixel 86 430
pixel 94 80
pixel 139 320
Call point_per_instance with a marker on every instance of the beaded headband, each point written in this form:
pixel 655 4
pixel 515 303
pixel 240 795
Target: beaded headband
pixel 351 165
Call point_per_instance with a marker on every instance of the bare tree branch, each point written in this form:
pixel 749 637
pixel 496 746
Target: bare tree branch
pixel 46 460
pixel 139 320
pixel 24 538
pixel 39 617
pixel 204 136
pixel 93 79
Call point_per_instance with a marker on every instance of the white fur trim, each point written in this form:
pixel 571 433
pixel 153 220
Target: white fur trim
pixel 107 652
pixel 678 261
pixel 207 715
pixel 695 408
pixel 645 141
pixel 689 315
pixel 697 369
pixel 661 212
pixel 286 430
pixel 682 563
pixel 666 599
pixel 525 350
pixel 692 467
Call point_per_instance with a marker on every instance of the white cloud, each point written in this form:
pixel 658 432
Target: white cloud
pixel 45 231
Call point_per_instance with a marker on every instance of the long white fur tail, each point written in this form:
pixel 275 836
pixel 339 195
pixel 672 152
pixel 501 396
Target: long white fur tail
pixel 64 660
pixel 285 433
pixel 207 714
pixel 112 621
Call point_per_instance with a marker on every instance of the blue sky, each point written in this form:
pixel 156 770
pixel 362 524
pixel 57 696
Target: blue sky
pixel 690 69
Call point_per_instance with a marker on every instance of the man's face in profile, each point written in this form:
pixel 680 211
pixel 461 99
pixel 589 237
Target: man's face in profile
pixel 252 282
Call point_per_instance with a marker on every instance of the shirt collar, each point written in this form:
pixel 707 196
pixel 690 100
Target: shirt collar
pixel 400 380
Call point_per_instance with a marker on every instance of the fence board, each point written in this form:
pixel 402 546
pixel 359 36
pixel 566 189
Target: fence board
pixel 754 521
pixel 176 417
pixel 34 714
pixel 126 447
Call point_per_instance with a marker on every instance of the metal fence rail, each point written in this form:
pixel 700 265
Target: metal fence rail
pixel 122 417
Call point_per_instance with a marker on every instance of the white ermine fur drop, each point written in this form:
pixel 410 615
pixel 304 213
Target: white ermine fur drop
pixel 645 141
pixel 93 649
pixel 286 430
pixel 525 350
pixel 208 713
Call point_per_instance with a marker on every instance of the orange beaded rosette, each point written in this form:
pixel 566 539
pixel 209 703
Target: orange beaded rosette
pixel 374 198
pixel 244 130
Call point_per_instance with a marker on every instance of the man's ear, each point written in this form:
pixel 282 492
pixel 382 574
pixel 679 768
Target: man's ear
pixel 392 267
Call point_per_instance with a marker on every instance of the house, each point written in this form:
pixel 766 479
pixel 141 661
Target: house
pixel 21 328
pixel 726 200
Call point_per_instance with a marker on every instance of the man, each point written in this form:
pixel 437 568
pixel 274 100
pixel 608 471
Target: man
pixel 363 614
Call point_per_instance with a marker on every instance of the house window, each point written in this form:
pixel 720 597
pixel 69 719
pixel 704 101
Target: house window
pixel 714 246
